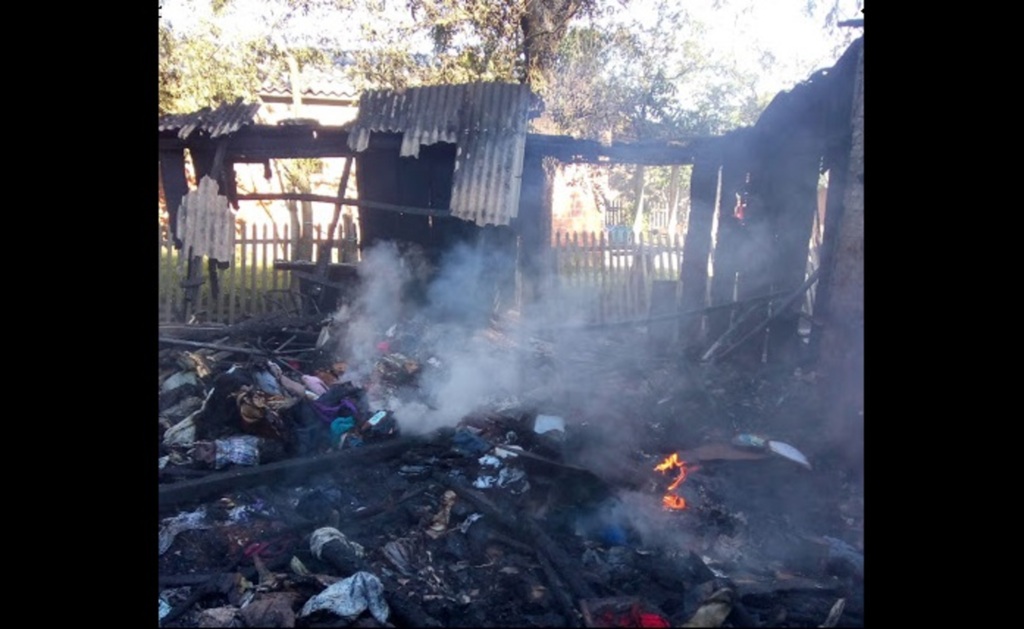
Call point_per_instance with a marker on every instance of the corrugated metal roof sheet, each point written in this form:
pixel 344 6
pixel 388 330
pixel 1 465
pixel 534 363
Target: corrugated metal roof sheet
pixel 315 82
pixel 487 121
pixel 224 120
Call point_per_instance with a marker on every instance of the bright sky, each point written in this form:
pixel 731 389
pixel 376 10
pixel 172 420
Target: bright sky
pixel 741 29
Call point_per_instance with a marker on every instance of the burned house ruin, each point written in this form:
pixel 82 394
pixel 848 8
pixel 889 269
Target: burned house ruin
pixel 382 458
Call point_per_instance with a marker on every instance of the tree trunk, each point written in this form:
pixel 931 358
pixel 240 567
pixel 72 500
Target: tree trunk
pixel 543 24
pixel 300 178
pixel 638 194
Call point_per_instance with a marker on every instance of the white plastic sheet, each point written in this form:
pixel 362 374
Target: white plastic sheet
pixel 350 597
pixel 789 452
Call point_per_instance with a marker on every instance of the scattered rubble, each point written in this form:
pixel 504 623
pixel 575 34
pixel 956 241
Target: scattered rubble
pixel 299 489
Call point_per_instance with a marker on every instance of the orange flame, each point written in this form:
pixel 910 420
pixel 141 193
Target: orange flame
pixel 670 500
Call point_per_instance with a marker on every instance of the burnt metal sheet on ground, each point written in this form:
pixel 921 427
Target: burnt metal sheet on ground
pixel 487 122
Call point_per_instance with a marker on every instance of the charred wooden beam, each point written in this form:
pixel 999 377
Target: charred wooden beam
pixel 530 533
pixel 172 171
pixel 693 273
pixel 778 312
pixel 842 343
pixel 294 470
pixel 730 231
pixel 362 203
pixel 224 348
pixel 260 326
pixel 796 170
pixel 650 153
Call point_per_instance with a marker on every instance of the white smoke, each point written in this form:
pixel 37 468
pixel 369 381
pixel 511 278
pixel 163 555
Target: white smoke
pixel 461 369
pixel 473 347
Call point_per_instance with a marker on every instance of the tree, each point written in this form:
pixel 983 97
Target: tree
pixel 469 40
pixel 199 70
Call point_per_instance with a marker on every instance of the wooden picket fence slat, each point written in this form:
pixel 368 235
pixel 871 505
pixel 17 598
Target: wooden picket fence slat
pixel 612 273
pixel 248 287
pixel 617 272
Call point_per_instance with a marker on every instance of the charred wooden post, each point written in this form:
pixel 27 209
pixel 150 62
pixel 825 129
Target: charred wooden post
pixel 172 170
pixel 660 328
pixel 693 272
pixel 842 344
pixel 795 171
pixel 787 145
pixel 730 232
pixel 534 226
pixel 837 162
pixel 325 298
pixel 190 285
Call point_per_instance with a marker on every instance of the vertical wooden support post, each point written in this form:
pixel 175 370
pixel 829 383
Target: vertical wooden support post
pixel 730 233
pixel 795 202
pixel 534 227
pixel 693 273
pixel 842 344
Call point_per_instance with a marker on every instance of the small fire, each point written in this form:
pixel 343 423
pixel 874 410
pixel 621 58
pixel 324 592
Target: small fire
pixel 670 500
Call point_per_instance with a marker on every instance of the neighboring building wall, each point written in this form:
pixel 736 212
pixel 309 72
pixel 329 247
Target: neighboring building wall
pixel 574 207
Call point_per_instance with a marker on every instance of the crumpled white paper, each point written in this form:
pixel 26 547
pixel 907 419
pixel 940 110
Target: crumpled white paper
pixel 351 597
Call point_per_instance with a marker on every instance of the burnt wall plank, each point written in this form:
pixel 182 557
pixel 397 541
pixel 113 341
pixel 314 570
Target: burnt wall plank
pixel 795 197
pixel 728 239
pixel 172 169
pixel 693 273
pixel 842 345
pixel 533 224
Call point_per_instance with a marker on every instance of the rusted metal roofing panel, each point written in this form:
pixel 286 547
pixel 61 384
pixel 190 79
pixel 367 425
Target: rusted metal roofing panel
pixel 224 120
pixel 487 122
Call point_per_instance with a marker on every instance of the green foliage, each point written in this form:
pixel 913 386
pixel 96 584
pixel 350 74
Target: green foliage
pixel 196 71
pixel 207 65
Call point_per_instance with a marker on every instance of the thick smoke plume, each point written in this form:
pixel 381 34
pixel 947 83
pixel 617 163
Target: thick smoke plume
pixel 446 308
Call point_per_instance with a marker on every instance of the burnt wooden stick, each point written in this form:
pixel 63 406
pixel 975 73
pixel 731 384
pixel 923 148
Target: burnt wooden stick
pixel 173 495
pixel 559 560
pixel 374 511
pixel 530 533
pixel 789 301
pixel 572 617
pixel 261 325
pixel 234 350
pixel 207 587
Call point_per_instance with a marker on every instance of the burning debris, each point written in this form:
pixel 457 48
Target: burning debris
pixel 420 472
pixel 670 499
